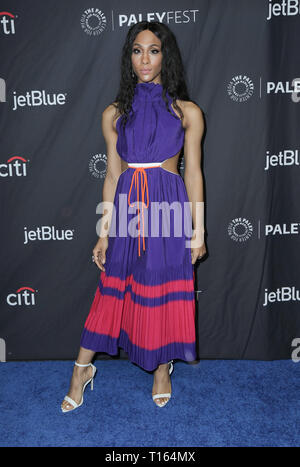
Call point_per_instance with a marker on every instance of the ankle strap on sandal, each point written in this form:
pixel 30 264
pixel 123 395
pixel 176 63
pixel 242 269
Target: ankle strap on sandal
pixel 80 364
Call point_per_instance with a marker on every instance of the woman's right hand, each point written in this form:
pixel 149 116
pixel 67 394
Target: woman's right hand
pixel 99 252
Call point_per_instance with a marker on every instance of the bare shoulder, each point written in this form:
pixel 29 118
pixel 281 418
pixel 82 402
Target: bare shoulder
pixel 193 114
pixel 109 116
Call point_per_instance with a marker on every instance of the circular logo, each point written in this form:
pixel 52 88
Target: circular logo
pixel 240 229
pixel 93 21
pixel 240 88
pixel 97 166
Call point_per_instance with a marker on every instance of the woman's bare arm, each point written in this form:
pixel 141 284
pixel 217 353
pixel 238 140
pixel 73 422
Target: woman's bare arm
pixel 113 170
pixel 193 178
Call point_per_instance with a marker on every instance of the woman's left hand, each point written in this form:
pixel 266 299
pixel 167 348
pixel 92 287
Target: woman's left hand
pixel 198 253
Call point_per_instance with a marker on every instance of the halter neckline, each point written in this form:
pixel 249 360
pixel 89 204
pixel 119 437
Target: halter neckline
pixel 148 83
pixel 148 90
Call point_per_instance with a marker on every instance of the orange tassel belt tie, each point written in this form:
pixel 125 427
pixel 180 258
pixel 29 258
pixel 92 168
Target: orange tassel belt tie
pixel 140 171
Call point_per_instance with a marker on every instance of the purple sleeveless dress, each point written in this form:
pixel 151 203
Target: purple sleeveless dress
pixel 144 301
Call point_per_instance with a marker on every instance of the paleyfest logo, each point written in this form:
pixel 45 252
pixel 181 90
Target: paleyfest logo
pixel 97 165
pixel 240 229
pixel 93 21
pixel 240 88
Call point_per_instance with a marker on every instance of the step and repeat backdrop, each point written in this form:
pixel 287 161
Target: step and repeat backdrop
pixel 60 67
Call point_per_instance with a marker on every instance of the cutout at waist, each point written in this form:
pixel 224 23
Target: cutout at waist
pixel 170 164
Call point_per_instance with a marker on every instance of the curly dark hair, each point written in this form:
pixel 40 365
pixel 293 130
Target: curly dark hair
pixel 172 72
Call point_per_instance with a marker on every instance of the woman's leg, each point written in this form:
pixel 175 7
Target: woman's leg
pixel 161 382
pixel 79 377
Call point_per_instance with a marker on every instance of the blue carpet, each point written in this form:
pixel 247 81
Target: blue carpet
pixel 214 403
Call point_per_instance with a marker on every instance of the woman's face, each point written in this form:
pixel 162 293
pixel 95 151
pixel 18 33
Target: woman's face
pixel 146 57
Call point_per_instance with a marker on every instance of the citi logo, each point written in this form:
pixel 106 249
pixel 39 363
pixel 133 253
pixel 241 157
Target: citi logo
pixel 23 296
pixel 38 98
pixel 46 233
pixel 7 21
pixel 15 166
pixel 283 8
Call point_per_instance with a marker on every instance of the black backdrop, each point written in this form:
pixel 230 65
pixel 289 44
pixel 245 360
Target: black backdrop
pixel 60 67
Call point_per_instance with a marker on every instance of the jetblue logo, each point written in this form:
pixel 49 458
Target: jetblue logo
pixel 38 98
pixel 283 8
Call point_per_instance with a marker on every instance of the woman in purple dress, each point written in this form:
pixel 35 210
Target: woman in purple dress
pixel 154 232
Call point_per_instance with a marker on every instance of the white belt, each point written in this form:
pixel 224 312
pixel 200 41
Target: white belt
pixel 145 164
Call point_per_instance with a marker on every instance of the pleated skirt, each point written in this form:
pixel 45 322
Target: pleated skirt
pixel 145 304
